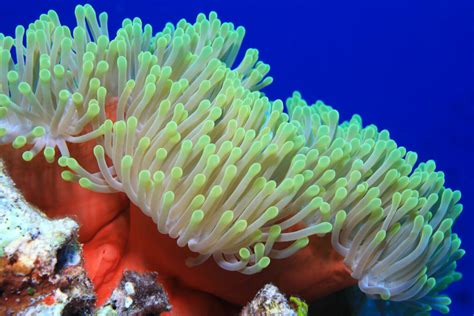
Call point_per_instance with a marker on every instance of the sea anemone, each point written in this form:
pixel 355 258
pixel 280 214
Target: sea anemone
pixel 217 165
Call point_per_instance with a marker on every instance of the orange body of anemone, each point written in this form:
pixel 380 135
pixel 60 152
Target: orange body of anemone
pixel 117 236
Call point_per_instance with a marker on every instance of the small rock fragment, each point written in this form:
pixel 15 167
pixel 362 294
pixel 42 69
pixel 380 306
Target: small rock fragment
pixel 269 301
pixel 136 294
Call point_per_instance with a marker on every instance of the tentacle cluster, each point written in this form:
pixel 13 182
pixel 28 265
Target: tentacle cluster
pixel 55 92
pixel 391 223
pixel 189 151
pixel 219 166
pixel 47 96
pixel 216 174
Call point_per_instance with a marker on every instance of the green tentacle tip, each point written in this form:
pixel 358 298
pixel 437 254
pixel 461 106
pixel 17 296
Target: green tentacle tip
pixel 197 201
pixel 72 164
pixel 3 131
pixel 12 76
pixel 107 126
pixel 244 253
pixel 59 71
pixel 323 228
pixel 271 213
pixel 199 180
pixel 240 226
pixel 102 67
pixel 226 217
pixel 144 143
pixel 99 151
pixel 144 178
pixel 49 154
pixel 385 296
pixel 443 309
pixel 197 217
pixel 176 173
pixel 45 75
pixel 93 110
pixel 64 95
pixel 263 263
pixel 168 198
pixel 62 161
pixel 67 175
pixel 303 242
pixel 4 100
pixel 259 249
pixel 24 88
pixel 275 231
pixel 38 131
pixel 27 156
pixel 85 183
pixel 119 127
pixel 77 98
pixel 340 218
pixel 158 176
pixel 19 142
pixel 380 236
pixel 127 161
pixel 3 112
pixel 300 306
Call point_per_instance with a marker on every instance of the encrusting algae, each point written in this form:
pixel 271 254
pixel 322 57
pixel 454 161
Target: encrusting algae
pixel 230 174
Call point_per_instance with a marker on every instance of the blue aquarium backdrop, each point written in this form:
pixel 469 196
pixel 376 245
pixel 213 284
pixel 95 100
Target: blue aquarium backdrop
pixel 406 66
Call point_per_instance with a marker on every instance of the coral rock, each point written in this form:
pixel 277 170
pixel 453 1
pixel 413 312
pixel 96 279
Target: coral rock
pixel 269 301
pixel 41 268
pixel 137 294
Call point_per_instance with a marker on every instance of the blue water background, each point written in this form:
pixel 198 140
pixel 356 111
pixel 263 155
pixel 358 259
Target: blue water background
pixel 406 66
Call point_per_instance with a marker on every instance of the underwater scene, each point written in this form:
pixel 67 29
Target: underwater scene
pixel 236 158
